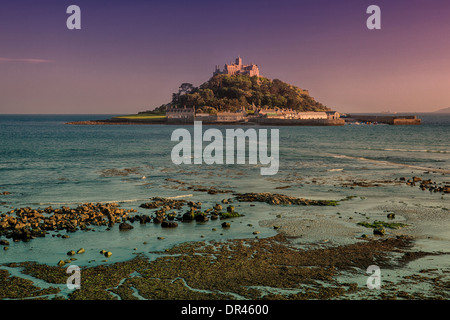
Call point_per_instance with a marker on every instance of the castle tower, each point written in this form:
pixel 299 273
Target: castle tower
pixel 238 68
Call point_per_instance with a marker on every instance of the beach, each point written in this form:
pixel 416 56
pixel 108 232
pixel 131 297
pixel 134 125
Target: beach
pixel 345 198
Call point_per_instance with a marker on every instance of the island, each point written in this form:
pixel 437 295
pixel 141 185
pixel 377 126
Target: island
pixel 238 94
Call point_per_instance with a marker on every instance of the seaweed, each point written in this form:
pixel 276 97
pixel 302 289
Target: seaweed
pixel 381 224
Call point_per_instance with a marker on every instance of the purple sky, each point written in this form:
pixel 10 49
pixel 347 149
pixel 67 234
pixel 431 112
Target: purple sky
pixel 130 55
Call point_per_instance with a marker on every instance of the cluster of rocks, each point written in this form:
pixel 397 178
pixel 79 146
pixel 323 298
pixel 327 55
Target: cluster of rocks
pixel 166 203
pixel 167 219
pixel 280 199
pixel 426 184
pixel 26 223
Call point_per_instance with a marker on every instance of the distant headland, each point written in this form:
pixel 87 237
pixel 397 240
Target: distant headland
pixel 239 95
pixel 445 110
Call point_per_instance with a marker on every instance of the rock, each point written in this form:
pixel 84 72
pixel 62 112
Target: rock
pixel 5 248
pixel 102 252
pixel 255 232
pixel 61 263
pixel 379 231
pixel 226 225
pixel 125 226
pixel 71 253
pixel 391 216
pixel 4 242
pixel 225 201
pixel 160 238
pixel 158 219
pixel 188 216
pixel 169 224
pixel 218 207
pixel 143 219
pixel 81 250
pixel 201 218
pixel 171 216
pixel 230 209
pixel 416 179
pixel 108 254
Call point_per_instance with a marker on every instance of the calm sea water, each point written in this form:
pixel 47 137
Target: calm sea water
pixel 45 162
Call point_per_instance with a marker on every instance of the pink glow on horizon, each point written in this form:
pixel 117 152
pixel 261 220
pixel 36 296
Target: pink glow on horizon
pixel 25 60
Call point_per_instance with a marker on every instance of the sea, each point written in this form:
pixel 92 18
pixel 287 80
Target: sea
pixel 46 162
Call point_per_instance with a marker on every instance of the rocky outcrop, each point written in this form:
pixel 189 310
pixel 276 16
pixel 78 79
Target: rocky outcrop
pixel 167 204
pixel 280 199
pixel 26 223
pixel 427 184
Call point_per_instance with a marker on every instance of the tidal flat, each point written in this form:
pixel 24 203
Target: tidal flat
pixel 306 258
pixel 269 268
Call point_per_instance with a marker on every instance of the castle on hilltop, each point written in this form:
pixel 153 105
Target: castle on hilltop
pixel 238 68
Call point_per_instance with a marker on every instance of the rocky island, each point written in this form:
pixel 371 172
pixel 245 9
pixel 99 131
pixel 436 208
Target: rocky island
pixel 239 95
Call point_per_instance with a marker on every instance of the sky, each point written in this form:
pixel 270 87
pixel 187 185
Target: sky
pixel 131 55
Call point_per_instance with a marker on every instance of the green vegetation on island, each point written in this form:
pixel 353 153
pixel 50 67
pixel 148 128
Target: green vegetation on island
pixel 232 92
pixel 143 116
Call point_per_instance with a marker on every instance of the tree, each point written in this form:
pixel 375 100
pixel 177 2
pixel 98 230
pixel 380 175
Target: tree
pixel 185 88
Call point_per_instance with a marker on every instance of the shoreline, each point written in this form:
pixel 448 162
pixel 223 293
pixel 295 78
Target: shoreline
pixel 263 122
pixel 186 123
pixel 254 121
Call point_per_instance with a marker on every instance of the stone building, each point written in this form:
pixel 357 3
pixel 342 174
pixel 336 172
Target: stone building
pixel 238 68
pixel 308 115
pixel 221 116
pixel 292 114
pixel 333 114
pixel 180 114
